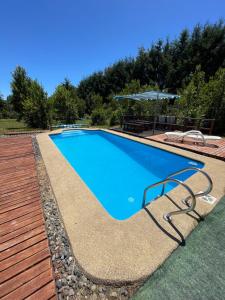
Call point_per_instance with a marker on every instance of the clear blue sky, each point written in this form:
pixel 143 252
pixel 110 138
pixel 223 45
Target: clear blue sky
pixel 54 39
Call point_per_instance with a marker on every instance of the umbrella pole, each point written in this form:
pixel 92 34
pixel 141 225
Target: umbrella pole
pixel 153 130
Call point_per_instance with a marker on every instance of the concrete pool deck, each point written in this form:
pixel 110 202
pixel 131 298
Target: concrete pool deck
pixel 109 250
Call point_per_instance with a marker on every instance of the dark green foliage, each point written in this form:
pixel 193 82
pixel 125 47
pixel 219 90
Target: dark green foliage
pixel 184 65
pixel 93 101
pixel 115 118
pixel 3 109
pixel 65 104
pixel 214 99
pixel 6 109
pixel 202 98
pixel 35 110
pixel 168 65
pixel 192 96
pixel 28 99
pixel 98 117
pixel 10 111
pixel 20 87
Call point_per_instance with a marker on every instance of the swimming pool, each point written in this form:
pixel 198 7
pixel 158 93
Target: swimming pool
pixel 117 169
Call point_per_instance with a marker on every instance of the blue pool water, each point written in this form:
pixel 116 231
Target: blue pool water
pixel 117 169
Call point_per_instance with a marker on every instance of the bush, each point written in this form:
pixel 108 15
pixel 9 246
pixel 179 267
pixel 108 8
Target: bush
pixel 115 118
pixel 98 117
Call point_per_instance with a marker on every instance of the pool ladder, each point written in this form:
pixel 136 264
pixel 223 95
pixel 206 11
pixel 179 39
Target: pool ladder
pixel 192 196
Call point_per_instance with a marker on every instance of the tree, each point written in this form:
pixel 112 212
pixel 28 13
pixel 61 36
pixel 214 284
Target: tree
pixel 202 98
pixel 143 68
pixel 6 108
pixel 93 101
pixel 67 106
pixel 192 96
pixel 167 64
pixel 181 67
pixel 188 64
pixel 159 64
pixel 214 97
pixel 20 86
pixel 212 48
pixel 117 75
pixel 2 107
pixel 35 110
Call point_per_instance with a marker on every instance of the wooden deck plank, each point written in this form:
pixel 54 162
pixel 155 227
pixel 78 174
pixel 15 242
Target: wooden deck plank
pixel 45 293
pixel 21 231
pixel 53 298
pixel 25 264
pixel 15 201
pixel 22 187
pixel 24 277
pixel 216 151
pixel 21 238
pixel 19 212
pixel 19 194
pixel 12 260
pixel 16 221
pixel 23 245
pixel 18 205
pixel 18 164
pixel 17 185
pixel 15 151
pixel 11 229
pixel 17 173
pixel 31 286
pixel 15 156
pixel 15 179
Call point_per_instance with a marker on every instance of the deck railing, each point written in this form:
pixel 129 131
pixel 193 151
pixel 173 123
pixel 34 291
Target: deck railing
pixel 163 122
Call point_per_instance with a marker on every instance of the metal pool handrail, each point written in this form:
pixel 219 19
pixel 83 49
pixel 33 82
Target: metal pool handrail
pixel 167 216
pixel 199 194
pixel 195 132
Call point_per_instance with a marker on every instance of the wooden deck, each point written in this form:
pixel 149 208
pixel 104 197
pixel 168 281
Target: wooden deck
pixel 215 149
pixel 25 263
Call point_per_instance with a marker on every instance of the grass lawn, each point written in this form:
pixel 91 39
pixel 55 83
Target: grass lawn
pixel 12 125
pixel 84 121
pixel 196 271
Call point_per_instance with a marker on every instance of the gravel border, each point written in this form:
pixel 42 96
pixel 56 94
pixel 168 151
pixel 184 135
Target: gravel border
pixel 71 281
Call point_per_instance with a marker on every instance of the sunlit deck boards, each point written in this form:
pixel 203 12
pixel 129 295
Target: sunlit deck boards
pixel 25 265
pixel 215 149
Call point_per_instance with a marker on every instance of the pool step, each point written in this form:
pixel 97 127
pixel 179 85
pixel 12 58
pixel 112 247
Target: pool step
pixel 73 132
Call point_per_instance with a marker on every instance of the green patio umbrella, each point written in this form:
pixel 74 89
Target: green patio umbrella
pixel 148 96
pixel 151 95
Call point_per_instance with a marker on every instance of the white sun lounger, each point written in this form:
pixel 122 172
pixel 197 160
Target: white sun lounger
pixel 196 135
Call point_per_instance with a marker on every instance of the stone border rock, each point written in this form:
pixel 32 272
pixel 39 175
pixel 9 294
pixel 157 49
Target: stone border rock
pixel 71 282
